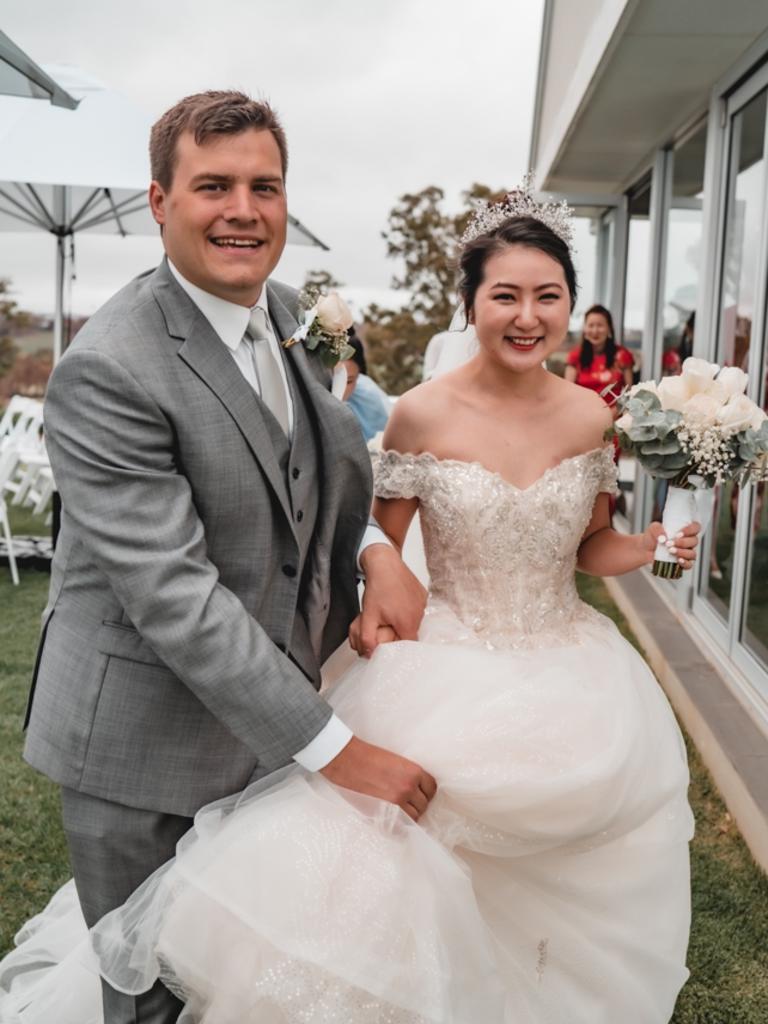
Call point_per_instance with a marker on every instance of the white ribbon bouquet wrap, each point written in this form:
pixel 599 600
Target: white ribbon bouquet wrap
pixel 696 430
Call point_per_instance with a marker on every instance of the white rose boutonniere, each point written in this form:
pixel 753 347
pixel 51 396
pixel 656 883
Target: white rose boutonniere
pixel 326 321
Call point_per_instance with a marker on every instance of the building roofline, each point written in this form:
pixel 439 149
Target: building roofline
pixel 546 30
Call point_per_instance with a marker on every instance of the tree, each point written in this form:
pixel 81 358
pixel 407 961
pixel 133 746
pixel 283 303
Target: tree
pixel 425 238
pixel 28 376
pixel 10 317
pixel 395 343
pixel 8 354
pixel 320 280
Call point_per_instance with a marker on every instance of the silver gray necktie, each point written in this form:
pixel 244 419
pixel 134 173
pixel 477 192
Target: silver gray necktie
pixel 267 371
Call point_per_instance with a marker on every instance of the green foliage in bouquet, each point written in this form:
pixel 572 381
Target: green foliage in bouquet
pixel 752 445
pixel 678 446
pixel 652 436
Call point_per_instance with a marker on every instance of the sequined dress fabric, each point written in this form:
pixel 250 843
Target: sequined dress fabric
pixel 501 557
pixel 548 883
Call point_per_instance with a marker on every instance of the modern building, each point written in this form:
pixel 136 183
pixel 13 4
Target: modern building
pixel 651 118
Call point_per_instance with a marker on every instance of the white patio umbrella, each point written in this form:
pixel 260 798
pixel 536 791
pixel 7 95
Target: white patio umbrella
pixel 84 170
pixel 20 76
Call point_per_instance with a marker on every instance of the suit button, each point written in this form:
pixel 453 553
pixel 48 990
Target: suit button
pixel 299 516
pixel 289 571
pixel 295 472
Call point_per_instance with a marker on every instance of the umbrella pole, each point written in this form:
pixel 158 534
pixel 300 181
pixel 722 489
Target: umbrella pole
pixel 60 217
pixel 58 318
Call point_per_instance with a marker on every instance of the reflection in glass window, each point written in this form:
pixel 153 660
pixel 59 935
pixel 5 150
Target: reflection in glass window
pixel 682 269
pixel 756 609
pixel 683 257
pixel 740 287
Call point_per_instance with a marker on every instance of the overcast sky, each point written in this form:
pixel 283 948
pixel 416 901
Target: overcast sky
pixel 377 99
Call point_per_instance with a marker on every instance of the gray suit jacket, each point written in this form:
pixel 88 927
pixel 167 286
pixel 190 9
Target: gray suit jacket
pixel 161 680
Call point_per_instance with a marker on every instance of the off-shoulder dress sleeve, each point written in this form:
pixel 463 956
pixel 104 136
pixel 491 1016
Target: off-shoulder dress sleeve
pixel 606 470
pixel 397 475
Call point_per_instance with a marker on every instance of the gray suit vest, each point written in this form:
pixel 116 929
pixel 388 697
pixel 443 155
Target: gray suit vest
pixel 299 463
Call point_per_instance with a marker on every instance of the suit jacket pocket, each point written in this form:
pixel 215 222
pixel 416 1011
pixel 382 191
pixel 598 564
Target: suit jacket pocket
pixel 120 641
pixel 153 744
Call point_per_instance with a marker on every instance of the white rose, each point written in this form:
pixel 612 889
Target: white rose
pixel 702 409
pixel 714 389
pixel 738 414
pixel 732 380
pixel 644 385
pixel 624 422
pixel 699 374
pixel 674 392
pixel 333 313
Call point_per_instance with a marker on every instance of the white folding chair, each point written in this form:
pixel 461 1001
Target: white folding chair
pixel 12 413
pixel 7 466
pixel 28 445
pixel 22 422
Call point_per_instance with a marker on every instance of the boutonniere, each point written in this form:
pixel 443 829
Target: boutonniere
pixel 325 322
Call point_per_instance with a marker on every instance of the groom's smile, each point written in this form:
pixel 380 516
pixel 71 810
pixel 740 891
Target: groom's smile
pixel 224 217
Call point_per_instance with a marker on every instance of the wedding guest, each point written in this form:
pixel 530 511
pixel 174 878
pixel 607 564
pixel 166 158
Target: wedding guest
pixel 366 399
pixel 599 363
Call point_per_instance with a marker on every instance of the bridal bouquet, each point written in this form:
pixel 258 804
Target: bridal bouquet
pixel 696 430
pixel 326 320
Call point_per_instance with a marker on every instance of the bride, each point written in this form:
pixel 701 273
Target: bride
pixel 547 882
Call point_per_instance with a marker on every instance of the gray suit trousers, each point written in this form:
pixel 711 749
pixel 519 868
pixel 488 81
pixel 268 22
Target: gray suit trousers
pixel 113 849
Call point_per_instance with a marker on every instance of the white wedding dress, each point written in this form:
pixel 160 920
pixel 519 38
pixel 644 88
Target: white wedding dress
pixel 548 883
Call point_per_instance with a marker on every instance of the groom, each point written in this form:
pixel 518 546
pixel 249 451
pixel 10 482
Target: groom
pixel 215 513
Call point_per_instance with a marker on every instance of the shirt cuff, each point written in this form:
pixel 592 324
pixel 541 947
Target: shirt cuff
pixel 329 742
pixel 373 535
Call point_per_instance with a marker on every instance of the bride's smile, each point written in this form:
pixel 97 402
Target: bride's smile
pixel 522 308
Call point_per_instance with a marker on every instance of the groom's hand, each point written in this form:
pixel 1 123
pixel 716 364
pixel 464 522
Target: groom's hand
pixel 374 771
pixel 393 598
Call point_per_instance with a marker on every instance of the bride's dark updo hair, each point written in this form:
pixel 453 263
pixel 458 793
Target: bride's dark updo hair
pixel 517 231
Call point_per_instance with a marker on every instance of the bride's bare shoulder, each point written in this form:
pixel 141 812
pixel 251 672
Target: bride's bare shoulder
pixel 414 416
pixel 586 412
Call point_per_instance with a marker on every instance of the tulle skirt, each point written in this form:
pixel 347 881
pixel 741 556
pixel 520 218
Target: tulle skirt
pixel 548 883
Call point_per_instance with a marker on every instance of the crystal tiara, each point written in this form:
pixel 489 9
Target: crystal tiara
pixel 520 202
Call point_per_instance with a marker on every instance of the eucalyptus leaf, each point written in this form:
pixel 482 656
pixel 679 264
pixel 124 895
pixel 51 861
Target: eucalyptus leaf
pixel 638 434
pixel 661 447
pixel 647 399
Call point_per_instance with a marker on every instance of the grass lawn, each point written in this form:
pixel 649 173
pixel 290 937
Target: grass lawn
pixel 728 953
pixel 25 524
pixel 729 941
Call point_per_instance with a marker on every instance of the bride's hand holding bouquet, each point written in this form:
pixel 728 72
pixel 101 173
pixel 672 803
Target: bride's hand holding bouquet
pixel 696 430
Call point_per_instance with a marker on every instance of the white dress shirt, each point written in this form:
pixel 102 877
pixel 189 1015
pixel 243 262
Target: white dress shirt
pixel 229 322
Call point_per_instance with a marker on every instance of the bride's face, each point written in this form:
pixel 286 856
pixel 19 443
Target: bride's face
pixel 522 307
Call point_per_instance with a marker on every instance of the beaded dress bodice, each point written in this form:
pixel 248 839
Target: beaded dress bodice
pixel 502 558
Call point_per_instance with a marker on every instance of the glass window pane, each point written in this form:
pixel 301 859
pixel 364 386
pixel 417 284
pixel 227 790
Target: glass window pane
pixel 637 283
pixel 683 257
pixel 682 269
pixel 585 242
pixel 740 288
pixel 756 606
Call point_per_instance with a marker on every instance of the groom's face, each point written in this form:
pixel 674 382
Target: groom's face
pixel 225 215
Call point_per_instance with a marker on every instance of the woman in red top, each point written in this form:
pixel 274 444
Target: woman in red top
pixel 599 363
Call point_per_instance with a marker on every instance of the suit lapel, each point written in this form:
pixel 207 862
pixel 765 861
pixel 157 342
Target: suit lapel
pixel 207 356
pixel 286 325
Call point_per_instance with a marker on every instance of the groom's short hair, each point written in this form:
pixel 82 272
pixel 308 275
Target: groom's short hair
pixel 216 112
